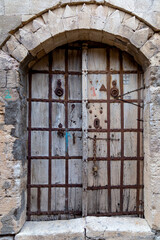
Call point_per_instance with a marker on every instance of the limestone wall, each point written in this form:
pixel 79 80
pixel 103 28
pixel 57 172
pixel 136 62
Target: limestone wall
pixel 132 25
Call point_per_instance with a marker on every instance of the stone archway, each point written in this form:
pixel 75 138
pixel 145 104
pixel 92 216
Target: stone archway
pixel 37 38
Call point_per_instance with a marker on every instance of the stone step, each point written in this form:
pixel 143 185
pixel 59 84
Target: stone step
pixel 93 228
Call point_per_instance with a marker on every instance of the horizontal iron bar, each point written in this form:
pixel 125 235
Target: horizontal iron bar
pixel 113 101
pixel 80 73
pixel 116 158
pixel 116 213
pixel 54 157
pixel 55 72
pixel 113 72
pixel 55 129
pixel 80 101
pixel 89 159
pixel 54 213
pixel 115 187
pixel 106 139
pixel 53 100
pixel 54 185
pixel 115 130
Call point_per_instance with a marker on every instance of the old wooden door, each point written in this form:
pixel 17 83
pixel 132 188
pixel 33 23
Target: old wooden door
pixel 85 153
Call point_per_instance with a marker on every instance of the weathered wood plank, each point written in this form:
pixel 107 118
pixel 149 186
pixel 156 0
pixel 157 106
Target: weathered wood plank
pixel 58 171
pixel 39 171
pixel 58 60
pixel 40 86
pixel 39 115
pixel 84 127
pixel 97 59
pixel 39 142
pixel 75 87
pixel 97 88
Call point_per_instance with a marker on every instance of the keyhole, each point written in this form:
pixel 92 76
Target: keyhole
pixel 96 123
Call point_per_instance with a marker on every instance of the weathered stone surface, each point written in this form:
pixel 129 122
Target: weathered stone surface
pixel 58 230
pixel 84 17
pixel 130 22
pixel 2 7
pixel 6 238
pixel 98 17
pixel 54 21
pixel 152 46
pixel 140 37
pixel 96 228
pixel 3 79
pixel 118 228
pixel 19 7
pixel 20 53
pixel 12 79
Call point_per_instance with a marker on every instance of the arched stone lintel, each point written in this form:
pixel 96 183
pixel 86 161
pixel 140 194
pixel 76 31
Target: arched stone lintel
pixel 84 22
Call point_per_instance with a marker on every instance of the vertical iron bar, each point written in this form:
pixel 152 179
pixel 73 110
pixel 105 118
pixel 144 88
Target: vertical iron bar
pixel 84 126
pixel 50 133
pixel 39 200
pixel 29 146
pixel 66 127
pixel 122 131
pixel 138 144
pixel 108 128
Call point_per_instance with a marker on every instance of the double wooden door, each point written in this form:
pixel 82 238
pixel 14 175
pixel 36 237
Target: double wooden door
pixel 85 124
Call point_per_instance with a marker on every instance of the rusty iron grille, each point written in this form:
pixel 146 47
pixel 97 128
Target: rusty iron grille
pixel 48 199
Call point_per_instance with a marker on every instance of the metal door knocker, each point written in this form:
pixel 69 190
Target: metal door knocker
pixel 96 123
pixel 60 132
pixel 59 90
pixel 114 90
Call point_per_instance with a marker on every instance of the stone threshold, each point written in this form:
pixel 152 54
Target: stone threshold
pixel 93 228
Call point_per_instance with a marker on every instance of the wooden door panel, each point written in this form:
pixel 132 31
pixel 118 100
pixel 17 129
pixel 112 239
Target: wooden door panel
pixel 58 144
pixel 98 202
pixel 39 142
pixel 40 80
pixel 75 199
pixel 58 171
pixel 97 88
pixel 55 79
pixel 109 181
pixel 115 144
pixel 115 115
pixel 74 60
pixel 75 87
pixel 42 64
pixel 101 150
pixel 115 178
pixel 130 173
pixel 129 200
pixel 130 116
pixel 130 144
pixel 97 110
pixel 115 204
pixel 58 199
pixel 75 171
pixel 43 199
pixel 58 115
pixel 58 63
pixel 75 143
pixel 102 179
pixel 75 115
pixel 114 59
pixel 97 59
pixel 39 171
pixel 130 83
pixel 41 109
